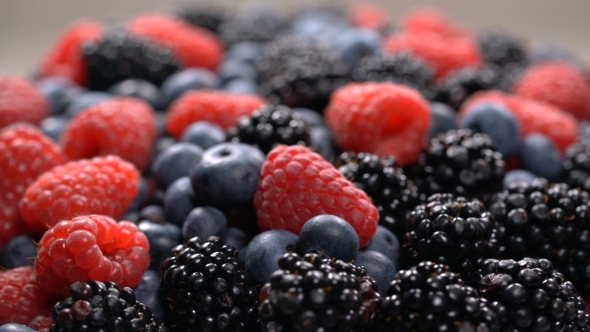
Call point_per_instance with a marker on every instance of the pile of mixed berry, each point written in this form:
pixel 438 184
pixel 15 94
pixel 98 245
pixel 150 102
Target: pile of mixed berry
pixel 326 170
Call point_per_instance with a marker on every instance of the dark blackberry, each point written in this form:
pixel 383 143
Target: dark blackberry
pixel 453 231
pixel 459 162
pixel 429 297
pixel 300 73
pixel 402 69
pixel 501 48
pixel 208 288
pixel 576 164
pixel 318 294
pixel 506 75
pixel 251 27
pixel 270 126
pixel 208 17
pixel 394 195
pixel 97 306
pixel 549 221
pixel 530 295
pixel 461 84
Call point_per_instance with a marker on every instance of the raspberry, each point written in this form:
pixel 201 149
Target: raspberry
pixel 122 126
pixel 193 46
pixel 21 101
pixel 43 321
pixel 366 16
pixel 25 154
pixel 297 184
pixel 20 296
pixel 556 83
pixel 103 185
pixel 91 247
pixel 65 58
pixel 221 108
pixel 377 117
pixel 431 20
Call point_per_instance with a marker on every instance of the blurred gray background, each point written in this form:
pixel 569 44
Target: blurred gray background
pixel 29 27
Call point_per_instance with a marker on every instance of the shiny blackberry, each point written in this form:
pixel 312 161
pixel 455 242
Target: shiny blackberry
pixel 402 69
pixel 119 56
pixel 300 73
pixel 270 126
pixel 530 295
pixel 549 221
pixel 501 48
pixel 97 306
pixel 394 195
pixel 429 297
pixel 208 17
pixel 208 289
pixel 576 164
pixel 462 84
pixel 313 293
pixel 459 162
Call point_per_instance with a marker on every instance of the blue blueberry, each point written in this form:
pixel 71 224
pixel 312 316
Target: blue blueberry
pixel 321 138
pixel 540 156
pixel 53 126
pixel 310 117
pixel 237 238
pixel 354 44
pixel 247 52
pixel 264 251
pixel 227 175
pixel 147 292
pixel 136 88
pixel 174 163
pixel 153 213
pixel 59 91
pixel 241 87
pixel 203 134
pixel 160 248
pixel 85 100
pixel 185 80
pixel 140 197
pixel 12 327
pixel 385 242
pixel 378 266
pixel 496 121
pixel 233 69
pixel 155 230
pixel 204 222
pixel 443 118
pixel 20 251
pixel 179 201
pixel 517 175
pixel 321 26
pixel 331 236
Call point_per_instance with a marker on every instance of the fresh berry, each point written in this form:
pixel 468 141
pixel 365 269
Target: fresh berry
pixel 366 16
pixel 137 88
pixel 43 321
pixel 247 52
pixel 461 84
pixel 21 101
pixel 501 48
pixel 123 126
pixel 259 27
pixel 264 251
pixel 237 238
pixel 297 184
pixel 374 117
pixel 186 80
pixel 206 16
pixel 378 266
pixel 203 134
pixel 13 327
pixel 59 91
pixel 329 236
pixel 442 118
pixel 222 109
pixel 103 185
pixel 19 251
pixel 237 69
pixel 54 126
pixel 516 176
pixel 576 165
pixel 386 243
pixel 204 222
pixel 432 21
pixel 174 163
pixel 162 237
pixel 540 156
pixel 355 44
pixel 21 298
pixel 148 292
pixel 179 200
pixel 85 100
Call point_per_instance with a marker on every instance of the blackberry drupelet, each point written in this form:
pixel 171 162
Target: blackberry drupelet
pixel 300 73
pixel 429 297
pixel 402 69
pixel 313 293
pixel 208 17
pixel 461 84
pixel 459 162
pixel 501 48
pixel 119 56
pixel 270 126
pixel 530 295
pixel 549 221
pixel 97 306
pixel 208 289
pixel 394 195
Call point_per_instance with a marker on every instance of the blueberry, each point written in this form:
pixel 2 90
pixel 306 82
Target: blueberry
pixel 264 251
pixel 179 200
pixel 136 88
pixel 204 222
pixel 147 292
pixel 386 243
pixel 12 327
pixel 443 118
pixel 85 100
pixel 321 26
pixel 160 248
pixel 540 156
pixel 20 251
pixel 331 236
pixel 140 198
pixel 546 52
pixel 203 134
pixel 354 44
pixel 183 81
pixel 153 213
pixel 237 238
pixel 241 86
pixel 321 138
pixel 378 266
pixel 227 175
pixel 59 91
pixel 161 123
pixel 310 117
pixel 247 52
pixel 496 121
pixel 233 69
pixel 518 175
pixel 53 126
pixel 154 230
pixel 174 163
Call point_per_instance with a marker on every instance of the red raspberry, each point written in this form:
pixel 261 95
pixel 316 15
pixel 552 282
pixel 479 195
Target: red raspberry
pixel 377 117
pixel 556 83
pixel 297 184
pixel 368 16
pixel 431 20
pixel 65 58
pixel 43 321
pixel 21 101
pixel 221 108
pixel 122 126
pixel 91 247
pixel 103 185
pixel 25 154
pixel 21 298
pixel 193 46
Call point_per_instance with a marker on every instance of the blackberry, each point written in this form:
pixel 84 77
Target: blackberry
pixel 97 306
pixel 394 195
pixel 576 164
pixel 461 84
pixel 453 231
pixel 459 162
pixel 270 126
pixel 251 27
pixel 208 288
pixel 501 48
pixel 402 69
pixel 313 293
pixel 300 73
pixel 531 296
pixel 208 17
pixel 429 297
pixel 549 221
